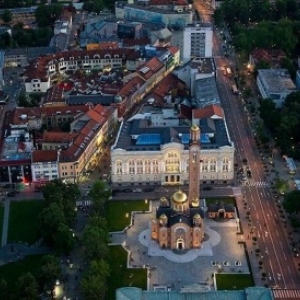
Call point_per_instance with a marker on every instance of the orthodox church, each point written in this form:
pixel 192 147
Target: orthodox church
pixel 179 221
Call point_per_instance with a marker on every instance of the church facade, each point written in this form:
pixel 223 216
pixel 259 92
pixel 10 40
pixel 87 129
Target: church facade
pixel 178 223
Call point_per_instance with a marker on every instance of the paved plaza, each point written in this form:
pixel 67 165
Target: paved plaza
pixel 192 269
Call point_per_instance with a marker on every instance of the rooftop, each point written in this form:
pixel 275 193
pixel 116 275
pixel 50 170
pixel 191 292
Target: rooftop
pixel 139 135
pixel 206 93
pixel 277 80
pixel 44 156
pixel 203 64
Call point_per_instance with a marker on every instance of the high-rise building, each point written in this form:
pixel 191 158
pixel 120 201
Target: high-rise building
pixel 197 41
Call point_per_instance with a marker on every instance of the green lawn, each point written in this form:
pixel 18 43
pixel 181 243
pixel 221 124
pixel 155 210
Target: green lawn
pixel 118 213
pixel 23 221
pixel 11 271
pixel 229 200
pixel 120 276
pixel 1 220
pixel 234 281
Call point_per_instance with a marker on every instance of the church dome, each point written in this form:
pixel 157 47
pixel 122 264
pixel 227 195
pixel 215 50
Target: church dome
pixel 163 217
pixel 197 216
pixel 195 128
pixel 179 197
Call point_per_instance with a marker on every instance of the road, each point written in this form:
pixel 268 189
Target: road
pixel 266 223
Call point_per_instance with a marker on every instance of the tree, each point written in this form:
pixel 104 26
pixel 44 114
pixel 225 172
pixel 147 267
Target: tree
pixel 99 194
pixel 3 289
pixel 6 16
pixel 281 185
pixel 45 15
pixel 63 239
pixel 269 114
pixel 50 271
pixel 291 202
pixel 26 287
pixel 93 283
pixel 95 243
pixel 218 17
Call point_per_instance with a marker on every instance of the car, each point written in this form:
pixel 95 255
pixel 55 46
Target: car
pixel 137 190
pixel 11 194
pixel 127 190
pixel 207 188
pixel 149 189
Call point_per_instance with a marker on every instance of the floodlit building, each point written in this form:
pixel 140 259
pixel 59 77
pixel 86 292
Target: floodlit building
pixel 197 41
pixel 275 84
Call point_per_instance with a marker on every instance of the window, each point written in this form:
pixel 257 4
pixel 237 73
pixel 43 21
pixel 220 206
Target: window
pixel 213 163
pixel 131 166
pixel 155 166
pixel 205 165
pixel 172 162
pixel 147 166
pixel 139 164
pixel 225 167
pixel 187 164
pixel 119 167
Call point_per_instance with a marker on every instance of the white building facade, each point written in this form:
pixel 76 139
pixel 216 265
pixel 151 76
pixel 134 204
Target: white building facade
pixel 197 41
pixel 169 166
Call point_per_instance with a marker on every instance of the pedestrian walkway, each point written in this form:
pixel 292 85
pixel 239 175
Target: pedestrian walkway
pixel 5 222
pixel 256 183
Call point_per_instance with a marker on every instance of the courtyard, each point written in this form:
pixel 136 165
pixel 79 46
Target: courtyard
pixel 222 252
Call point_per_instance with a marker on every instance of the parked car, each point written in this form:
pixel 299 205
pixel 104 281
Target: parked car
pixel 11 194
pixel 207 188
pixel 148 189
pixel 127 190
pixel 137 190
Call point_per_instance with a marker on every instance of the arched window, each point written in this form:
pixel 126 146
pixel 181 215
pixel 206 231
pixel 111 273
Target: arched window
pixel 205 165
pixel 187 164
pixel 213 163
pixel 225 167
pixel 172 162
pixel 147 163
pixel 139 166
pixel 131 166
pixel 119 167
pixel 155 166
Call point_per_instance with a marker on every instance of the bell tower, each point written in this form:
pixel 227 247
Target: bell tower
pixel 194 166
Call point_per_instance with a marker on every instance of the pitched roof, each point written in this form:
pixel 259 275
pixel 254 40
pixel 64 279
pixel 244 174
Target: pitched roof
pixel 208 112
pixel 147 70
pixel 44 156
pixel 59 137
pixel 21 115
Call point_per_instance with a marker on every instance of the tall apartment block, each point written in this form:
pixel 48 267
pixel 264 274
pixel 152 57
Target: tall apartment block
pixel 197 41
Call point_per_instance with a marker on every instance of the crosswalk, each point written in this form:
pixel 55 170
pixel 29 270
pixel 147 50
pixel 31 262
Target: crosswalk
pixel 256 183
pixel 286 294
pixel 84 203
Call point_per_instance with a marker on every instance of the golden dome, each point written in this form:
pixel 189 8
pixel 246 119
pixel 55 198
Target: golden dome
pixel 197 216
pixel 163 199
pixel 195 202
pixel 195 128
pixel 163 217
pixel 179 197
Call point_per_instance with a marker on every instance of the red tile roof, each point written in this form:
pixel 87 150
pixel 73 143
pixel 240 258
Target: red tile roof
pixel 21 115
pixel 169 83
pixel 152 66
pixel 54 95
pixel 268 55
pixel 131 86
pixel 59 137
pixel 65 110
pixel 44 156
pixel 208 112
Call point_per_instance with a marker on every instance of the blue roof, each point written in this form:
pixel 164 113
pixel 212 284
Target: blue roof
pixel 149 139
pixel 185 138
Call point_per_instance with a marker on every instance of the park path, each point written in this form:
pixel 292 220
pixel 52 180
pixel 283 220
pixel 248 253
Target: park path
pixel 5 222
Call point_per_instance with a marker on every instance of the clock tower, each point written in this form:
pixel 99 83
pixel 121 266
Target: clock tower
pixel 194 167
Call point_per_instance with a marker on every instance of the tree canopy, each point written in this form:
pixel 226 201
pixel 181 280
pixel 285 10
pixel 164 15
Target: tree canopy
pixel 6 16
pixel 291 202
pixel 46 15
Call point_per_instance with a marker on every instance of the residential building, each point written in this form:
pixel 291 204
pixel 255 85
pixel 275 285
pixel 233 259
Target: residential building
pixel 197 41
pixel 44 166
pixel 152 148
pixel 93 129
pixel 275 84
pixel 271 56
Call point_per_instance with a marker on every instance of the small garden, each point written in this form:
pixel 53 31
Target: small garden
pixel 120 275
pixel 23 221
pixel 119 212
pixel 233 281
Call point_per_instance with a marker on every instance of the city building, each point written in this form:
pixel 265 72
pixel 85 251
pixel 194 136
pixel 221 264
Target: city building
pixel 44 166
pixel 275 84
pixel 251 293
pixel 197 41
pixel 170 18
pixel 152 148
pixel 178 223
pixel 271 56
